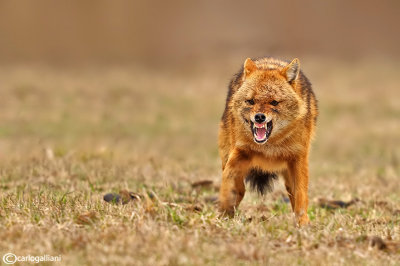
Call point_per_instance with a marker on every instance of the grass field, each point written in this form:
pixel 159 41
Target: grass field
pixel 70 135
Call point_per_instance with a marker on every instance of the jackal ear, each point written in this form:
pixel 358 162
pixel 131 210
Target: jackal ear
pixel 291 71
pixel 248 67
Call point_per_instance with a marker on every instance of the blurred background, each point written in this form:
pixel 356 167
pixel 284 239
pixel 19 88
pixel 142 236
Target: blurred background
pixel 181 31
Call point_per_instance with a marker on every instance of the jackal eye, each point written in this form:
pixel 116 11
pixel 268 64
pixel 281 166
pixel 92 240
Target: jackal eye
pixel 274 103
pixel 251 101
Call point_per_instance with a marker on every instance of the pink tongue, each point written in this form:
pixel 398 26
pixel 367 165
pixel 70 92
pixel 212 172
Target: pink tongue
pixel 261 133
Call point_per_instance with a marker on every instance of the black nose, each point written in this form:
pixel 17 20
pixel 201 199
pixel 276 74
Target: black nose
pixel 260 118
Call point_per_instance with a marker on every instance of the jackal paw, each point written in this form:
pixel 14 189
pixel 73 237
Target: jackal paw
pixel 302 219
pixel 227 211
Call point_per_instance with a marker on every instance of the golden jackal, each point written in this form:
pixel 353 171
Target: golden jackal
pixel 266 129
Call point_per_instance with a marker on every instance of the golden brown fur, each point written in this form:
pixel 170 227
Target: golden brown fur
pixel 279 91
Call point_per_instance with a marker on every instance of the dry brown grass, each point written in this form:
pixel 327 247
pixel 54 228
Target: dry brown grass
pixel 68 136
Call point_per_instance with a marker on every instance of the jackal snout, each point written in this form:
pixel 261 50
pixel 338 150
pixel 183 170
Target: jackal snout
pixel 260 118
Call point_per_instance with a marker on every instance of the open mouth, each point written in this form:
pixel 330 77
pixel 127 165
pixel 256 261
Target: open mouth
pixel 261 132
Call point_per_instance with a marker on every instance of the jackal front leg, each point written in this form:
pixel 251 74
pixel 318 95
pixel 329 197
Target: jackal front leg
pixel 232 187
pixel 298 171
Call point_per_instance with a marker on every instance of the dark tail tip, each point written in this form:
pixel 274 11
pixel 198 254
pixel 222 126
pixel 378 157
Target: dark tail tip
pixel 260 181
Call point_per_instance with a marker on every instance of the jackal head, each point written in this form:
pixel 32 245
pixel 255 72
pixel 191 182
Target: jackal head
pixel 268 101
